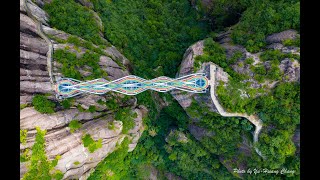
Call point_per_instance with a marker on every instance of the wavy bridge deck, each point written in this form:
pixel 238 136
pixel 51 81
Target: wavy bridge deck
pixel 131 85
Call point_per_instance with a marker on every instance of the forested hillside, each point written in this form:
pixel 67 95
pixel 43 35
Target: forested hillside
pixel 154 35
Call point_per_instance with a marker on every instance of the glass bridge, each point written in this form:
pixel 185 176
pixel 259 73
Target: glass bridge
pixel 131 85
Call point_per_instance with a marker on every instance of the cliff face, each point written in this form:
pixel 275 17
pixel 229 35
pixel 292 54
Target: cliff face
pixel 289 68
pixel 35 79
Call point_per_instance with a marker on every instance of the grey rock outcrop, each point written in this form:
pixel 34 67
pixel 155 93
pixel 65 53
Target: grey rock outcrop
pixel 34 77
pixel 279 37
pixel 291 70
pixel 296 140
pixel 187 67
pixel 76 161
pixel 185 99
pixel 289 67
pixel 176 136
pixel 110 63
pixel 199 132
pixel 86 3
pixel 60 141
pixel 39 14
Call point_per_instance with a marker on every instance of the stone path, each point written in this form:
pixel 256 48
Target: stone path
pixel 42 35
pixel 254 119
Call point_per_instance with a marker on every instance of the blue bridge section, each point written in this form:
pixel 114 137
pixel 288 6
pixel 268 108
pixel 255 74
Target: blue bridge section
pixel 131 85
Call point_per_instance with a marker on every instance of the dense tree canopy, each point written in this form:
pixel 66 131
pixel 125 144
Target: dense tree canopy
pixel 151 33
pixel 73 18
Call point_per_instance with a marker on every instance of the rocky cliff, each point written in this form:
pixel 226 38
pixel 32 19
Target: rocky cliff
pixel 289 68
pixel 35 79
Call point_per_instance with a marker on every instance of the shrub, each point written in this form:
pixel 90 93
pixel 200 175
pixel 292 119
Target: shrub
pixel 277 56
pixel 41 167
pixel 249 61
pixel 271 55
pixel 151 33
pixel 274 73
pixel 213 52
pixel 126 115
pixel 90 143
pixel 25 155
pixel 74 125
pixel 110 166
pixel 22 106
pixel 73 18
pixel 263 18
pixel 235 57
pixel 80 108
pixel 71 64
pixel 66 104
pixel 92 109
pixel 42 104
pixel 23 136
pixel 292 42
pixel 111 126
pixel 260 69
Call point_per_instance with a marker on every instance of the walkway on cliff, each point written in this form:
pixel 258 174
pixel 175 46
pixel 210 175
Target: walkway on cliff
pixel 254 119
pixel 42 35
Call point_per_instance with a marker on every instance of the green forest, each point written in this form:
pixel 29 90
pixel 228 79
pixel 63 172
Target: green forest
pixel 153 35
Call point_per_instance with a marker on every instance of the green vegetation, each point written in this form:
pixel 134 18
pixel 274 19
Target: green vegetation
pixel 67 103
pixel 59 40
pixel 262 18
pixel 92 109
pixel 274 72
pixel 188 160
pixel 86 44
pixel 23 139
pixel 292 42
pixel 249 61
pixel 112 104
pixel 230 96
pixel 22 106
pixel 224 13
pixel 41 167
pixel 260 72
pixel 80 108
pixel 277 55
pixel 126 115
pixel 197 159
pixel 280 112
pixel 101 102
pixel 23 136
pixel 151 33
pixel 281 107
pixel 90 143
pixel 71 64
pixel 76 163
pixel 74 125
pixel 214 52
pixel 42 104
pixel 236 57
pixel 113 166
pixel 223 142
pixel 278 109
pixel 152 132
pixel 111 126
pixel 25 155
pixel 73 18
